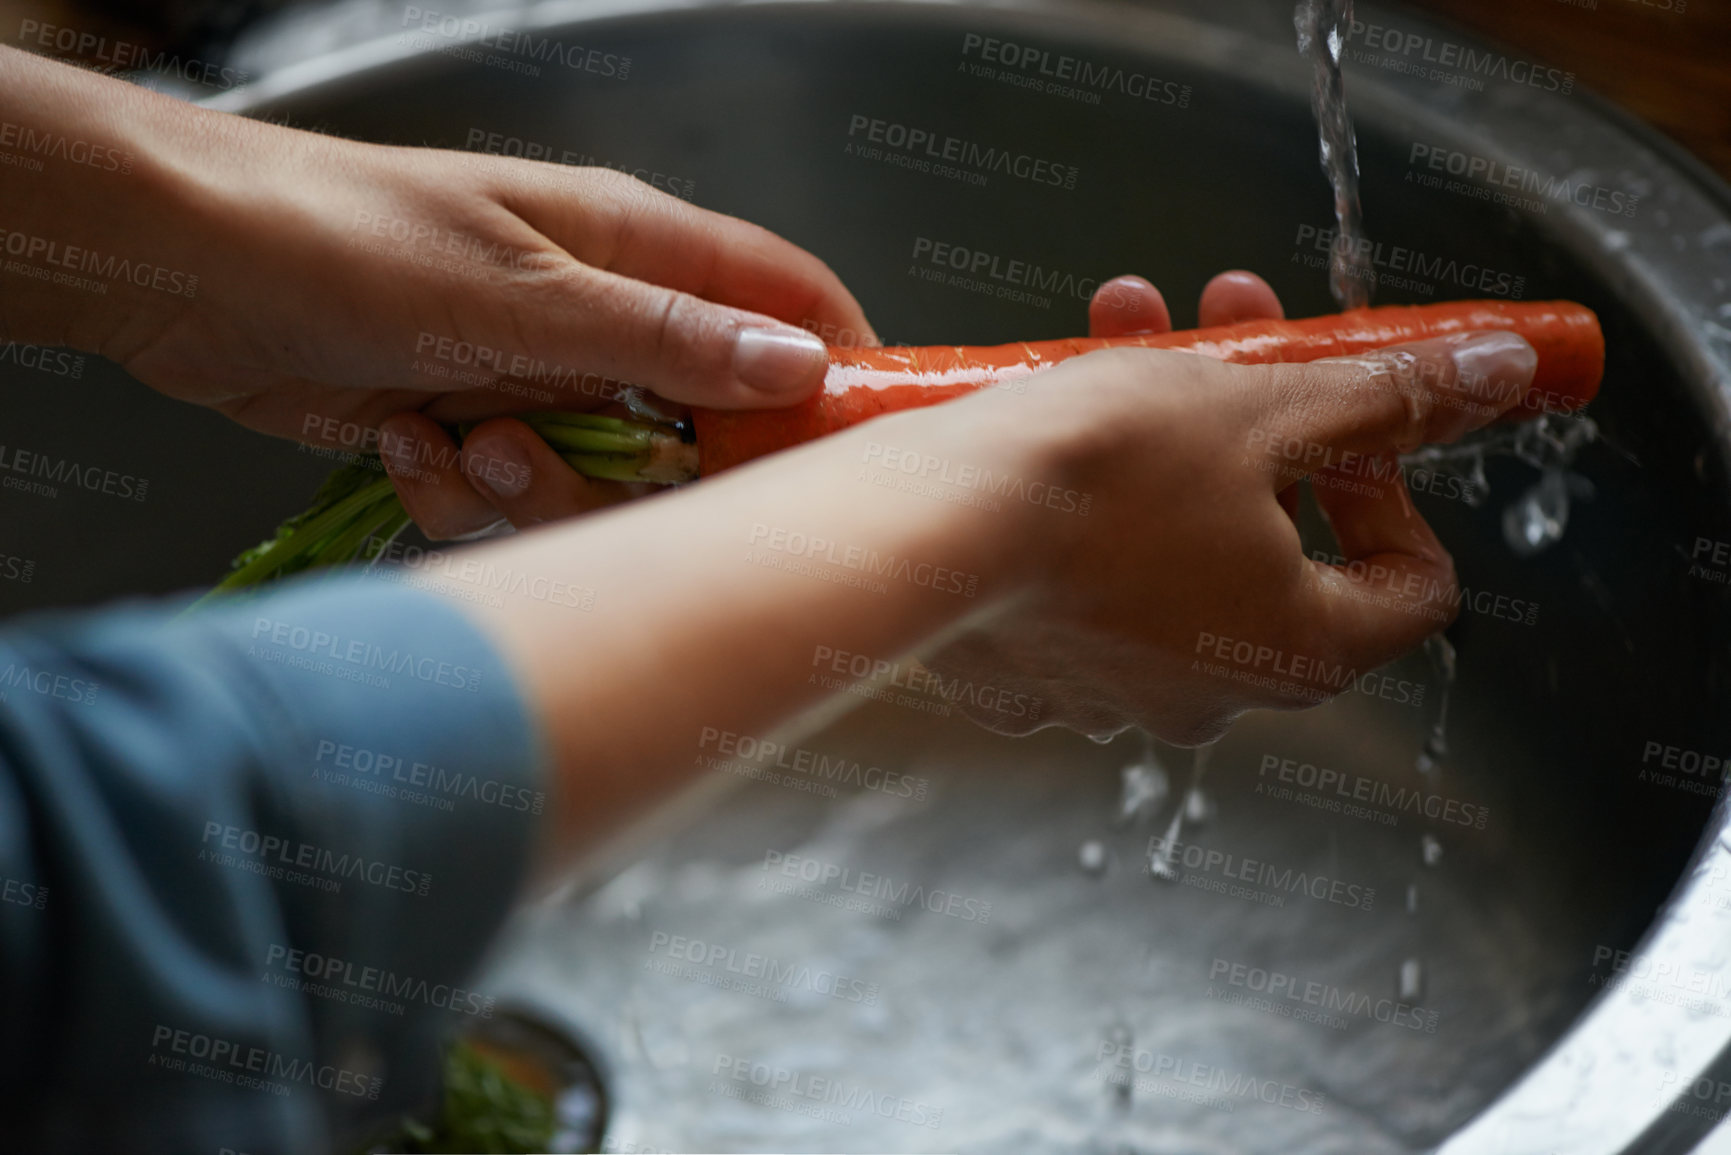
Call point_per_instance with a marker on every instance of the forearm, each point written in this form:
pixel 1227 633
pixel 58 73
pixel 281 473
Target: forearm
pixel 109 209
pixel 710 605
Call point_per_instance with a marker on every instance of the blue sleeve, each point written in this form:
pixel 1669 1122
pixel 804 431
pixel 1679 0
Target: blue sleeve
pixel 248 858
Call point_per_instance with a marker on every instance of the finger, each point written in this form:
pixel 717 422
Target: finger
pixel 1288 499
pixel 1396 586
pixel 524 480
pixel 597 325
pixel 425 466
pixel 1329 412
pixel 626 227
pixel 1127 306
pixel 1238 296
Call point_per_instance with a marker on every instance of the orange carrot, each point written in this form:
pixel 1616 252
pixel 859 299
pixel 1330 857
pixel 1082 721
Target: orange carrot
pixel 866 382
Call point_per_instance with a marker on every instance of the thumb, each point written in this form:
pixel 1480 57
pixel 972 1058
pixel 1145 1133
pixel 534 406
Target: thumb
pixel 681 346
pixel 592 325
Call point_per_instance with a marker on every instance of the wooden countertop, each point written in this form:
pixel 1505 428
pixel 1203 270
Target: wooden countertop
pixel 1667 61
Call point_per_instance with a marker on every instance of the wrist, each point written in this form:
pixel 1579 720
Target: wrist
pixel 99 239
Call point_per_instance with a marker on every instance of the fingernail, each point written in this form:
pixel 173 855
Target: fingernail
pixel 1493 369
pixel 779 360
pixel 503 468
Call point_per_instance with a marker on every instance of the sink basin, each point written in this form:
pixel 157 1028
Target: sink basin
pixel 1522 948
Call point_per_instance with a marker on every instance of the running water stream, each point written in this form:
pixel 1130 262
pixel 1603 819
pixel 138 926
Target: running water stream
pixel 1322 27
pixel 1532 523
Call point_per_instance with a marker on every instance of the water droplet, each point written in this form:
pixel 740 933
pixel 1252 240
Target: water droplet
pixel 1536 520
pixel 1442 656
pixel 1162 858
pixel 1092 857
pixel 1145 786
pixel 1119 1038
pixel 1412 898
pixel 1197 807
pixel 1431 850
pixel 1411 981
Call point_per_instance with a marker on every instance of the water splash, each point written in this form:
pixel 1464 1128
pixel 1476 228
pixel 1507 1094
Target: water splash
pixel 1322 27
pixel 1145 784
pixel 1535 521
pixel 1162 862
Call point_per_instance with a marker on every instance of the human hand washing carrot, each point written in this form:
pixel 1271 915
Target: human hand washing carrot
pixel 704 608
pixel 863 383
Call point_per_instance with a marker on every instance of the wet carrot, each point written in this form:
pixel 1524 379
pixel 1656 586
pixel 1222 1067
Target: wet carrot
pixel 867 382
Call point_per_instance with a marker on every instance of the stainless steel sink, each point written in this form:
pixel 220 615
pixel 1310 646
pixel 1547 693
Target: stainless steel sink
pixel 982 962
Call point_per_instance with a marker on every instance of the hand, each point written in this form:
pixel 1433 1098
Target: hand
pixel 1183 598
pixel 1124 306
pixel 353 296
